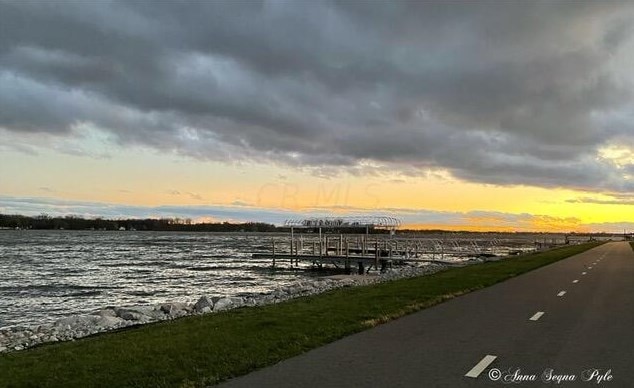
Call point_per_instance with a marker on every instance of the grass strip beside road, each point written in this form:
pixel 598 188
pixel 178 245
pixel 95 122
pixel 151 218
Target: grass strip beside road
pixel 203 350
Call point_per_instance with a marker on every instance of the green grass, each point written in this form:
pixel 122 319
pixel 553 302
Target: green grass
pixel 202 350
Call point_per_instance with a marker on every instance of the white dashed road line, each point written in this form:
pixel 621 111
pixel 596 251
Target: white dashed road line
pixel 482 365
pixel 537 316
pixel 561 293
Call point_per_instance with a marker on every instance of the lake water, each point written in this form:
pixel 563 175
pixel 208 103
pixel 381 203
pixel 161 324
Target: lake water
pixel 47 275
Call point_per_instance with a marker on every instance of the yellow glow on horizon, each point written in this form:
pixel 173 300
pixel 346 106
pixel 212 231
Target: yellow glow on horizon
pixel 460 228
pixel 146 178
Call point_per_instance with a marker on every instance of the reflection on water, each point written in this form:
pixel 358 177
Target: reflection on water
pixel 46 275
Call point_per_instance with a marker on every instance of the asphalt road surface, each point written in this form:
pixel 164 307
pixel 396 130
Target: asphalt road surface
pixel 567 324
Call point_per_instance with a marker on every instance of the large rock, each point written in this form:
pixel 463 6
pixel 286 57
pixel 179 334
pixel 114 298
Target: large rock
pixel 107 312
pixel 131 315
pixel 76 322
pixel 237 301
pixel 176 309
pixel 279 294
pixel 223 304
pixel 250 301
pixel 108 322
pixel 203 305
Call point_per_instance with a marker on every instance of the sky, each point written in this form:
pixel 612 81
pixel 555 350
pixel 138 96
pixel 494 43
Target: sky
pixel 459 115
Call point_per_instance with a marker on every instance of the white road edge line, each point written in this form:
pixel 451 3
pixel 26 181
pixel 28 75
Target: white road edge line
pixel 482 365
pixel 561 293
pixel 576 281
pixel 537 316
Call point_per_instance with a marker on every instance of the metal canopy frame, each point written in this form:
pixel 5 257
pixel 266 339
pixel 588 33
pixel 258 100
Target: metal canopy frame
pixel 345 222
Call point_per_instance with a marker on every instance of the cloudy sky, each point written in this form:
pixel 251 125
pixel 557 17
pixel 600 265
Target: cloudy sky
pixel 509 115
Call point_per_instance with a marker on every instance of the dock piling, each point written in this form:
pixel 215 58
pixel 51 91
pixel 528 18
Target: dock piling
pixel 376 254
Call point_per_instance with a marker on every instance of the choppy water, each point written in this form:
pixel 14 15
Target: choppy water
pixel 46 275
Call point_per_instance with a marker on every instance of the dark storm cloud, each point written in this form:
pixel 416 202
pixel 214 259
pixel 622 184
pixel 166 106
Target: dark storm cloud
pixel 495 92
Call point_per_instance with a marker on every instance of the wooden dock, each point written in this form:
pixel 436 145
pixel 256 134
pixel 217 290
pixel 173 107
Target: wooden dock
pixel 363 263
pixel 365 252
pixel 339 241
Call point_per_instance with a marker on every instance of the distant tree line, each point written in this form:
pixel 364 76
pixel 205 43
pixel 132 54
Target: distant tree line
pixel 44 221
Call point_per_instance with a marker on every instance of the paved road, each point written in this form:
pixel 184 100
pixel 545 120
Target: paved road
pixel 590 327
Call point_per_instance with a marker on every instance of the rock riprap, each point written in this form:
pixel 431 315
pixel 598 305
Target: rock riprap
pixel 110 318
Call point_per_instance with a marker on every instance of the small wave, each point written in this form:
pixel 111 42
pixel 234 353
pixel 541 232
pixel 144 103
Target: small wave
pixel 113 265
pixel 205 268
pixel 86 293
pixel 135 264
pixel 243 278
pixel 141 293
pixel 68 271
pixel 48 287
pixel 213 268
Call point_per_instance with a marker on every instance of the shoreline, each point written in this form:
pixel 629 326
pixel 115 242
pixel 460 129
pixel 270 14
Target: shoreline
pixel 203 350
pixel 111 318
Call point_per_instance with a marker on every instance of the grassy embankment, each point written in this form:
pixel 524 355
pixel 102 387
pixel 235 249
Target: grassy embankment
pixel 202 350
